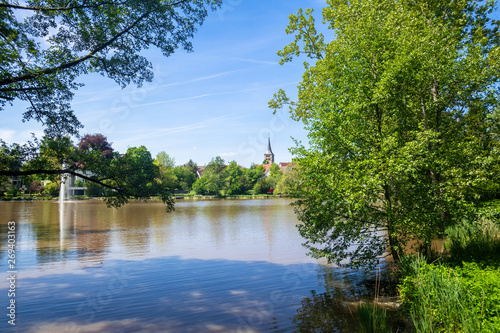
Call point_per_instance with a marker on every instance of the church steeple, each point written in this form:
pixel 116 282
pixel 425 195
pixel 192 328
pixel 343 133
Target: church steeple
pixel 269 151
pixel 269 156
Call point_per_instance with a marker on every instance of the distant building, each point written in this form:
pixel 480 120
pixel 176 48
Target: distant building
pixel 286 166
pixel 73 189
pixel 269 156
pixel 199 171
pixel 267 168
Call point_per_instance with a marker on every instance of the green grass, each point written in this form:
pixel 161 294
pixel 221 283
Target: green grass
pixel 461 292
pixel 438 301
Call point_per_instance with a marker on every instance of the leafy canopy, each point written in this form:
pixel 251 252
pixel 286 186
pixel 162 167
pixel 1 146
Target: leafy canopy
pixel 400 109
pixel 46 44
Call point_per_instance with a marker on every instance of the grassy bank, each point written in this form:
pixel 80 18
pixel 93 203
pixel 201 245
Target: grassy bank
pixel 460 291
pixel 27 198
pixel 188 196
pixel 242 196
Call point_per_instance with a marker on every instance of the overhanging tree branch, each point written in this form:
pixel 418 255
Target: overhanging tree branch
pixel 56 9
pixel 21 89
pixel 75 62
pixel 61 172
pixel 53 70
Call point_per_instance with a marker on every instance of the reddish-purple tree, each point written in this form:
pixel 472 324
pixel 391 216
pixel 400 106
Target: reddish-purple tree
pixel 35 187
pixel 98 142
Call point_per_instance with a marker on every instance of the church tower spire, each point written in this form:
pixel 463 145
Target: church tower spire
pixel 269 156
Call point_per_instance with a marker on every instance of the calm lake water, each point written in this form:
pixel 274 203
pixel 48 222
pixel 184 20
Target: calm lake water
pixel 209 266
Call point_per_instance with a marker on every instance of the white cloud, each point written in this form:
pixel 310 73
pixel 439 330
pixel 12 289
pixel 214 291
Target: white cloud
pixel 228 154
pixel 11 136
pixel 7 135
pixel 141 134
pixel 149 133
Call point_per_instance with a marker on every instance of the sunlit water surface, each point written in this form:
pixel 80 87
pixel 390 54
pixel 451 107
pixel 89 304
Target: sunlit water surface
pixel 210 266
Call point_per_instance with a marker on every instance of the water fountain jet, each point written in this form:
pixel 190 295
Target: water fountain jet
pixel 63 189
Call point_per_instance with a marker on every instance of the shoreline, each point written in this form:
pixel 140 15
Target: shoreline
pixel 156 199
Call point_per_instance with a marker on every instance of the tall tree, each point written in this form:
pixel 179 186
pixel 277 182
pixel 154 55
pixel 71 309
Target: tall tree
pixel 162 158
pixel 167 174
pixel 289 183
pixel 139 172
pixel 46 44
pixel 214 178
pixel 192 166
pixel 275 175
pixel 185 177
pixel 397 109
pixel 80 37
pixel 234 183
pixel 98 142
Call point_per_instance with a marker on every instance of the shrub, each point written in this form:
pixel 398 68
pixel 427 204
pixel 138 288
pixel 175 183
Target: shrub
pixel 262 186
pixel 13 192
pixel 52 188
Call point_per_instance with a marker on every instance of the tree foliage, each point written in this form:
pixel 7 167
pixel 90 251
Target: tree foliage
pixel 289 183
pixel 162 158
pixel 275 175
pixel 81 37
pixel 185 177
pixel 166 166
pixel 214 178
pixel 399 109
pixel 220 179
pixel 118 179
pixel 192 166
pixel 139 172
pixel 262 186
pixel 35 187
pixel 234 184
pixel 96 142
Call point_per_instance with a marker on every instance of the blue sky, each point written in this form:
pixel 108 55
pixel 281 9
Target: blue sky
pixel 212 102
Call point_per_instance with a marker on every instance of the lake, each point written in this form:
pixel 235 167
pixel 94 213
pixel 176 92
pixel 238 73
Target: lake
pixel 209 266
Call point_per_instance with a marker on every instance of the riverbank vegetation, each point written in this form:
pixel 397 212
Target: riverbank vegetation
pixel 402 110
pixel 459 290
pixel 104 173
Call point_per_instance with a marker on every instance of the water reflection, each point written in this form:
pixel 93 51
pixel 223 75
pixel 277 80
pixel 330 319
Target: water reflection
pixel 325 313
pixel 334 310
pixel 211 266
pixel 185 296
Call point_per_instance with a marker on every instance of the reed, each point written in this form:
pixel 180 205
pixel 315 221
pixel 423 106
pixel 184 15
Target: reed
pixel 444 305
pixel 473 241
pixel 372 319
pixel 439 301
